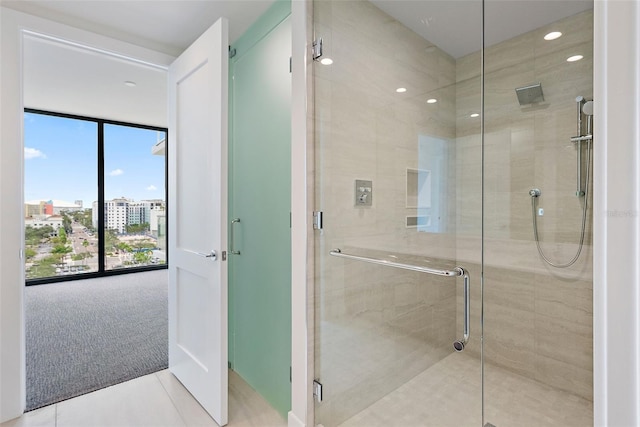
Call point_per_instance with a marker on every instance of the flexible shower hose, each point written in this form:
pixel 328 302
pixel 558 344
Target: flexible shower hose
pixel 584 220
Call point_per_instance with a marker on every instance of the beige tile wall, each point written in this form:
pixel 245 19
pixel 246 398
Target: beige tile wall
pixel 538 319
pixel 378 327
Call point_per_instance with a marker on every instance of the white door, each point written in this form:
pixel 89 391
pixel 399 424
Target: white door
pixel 197 217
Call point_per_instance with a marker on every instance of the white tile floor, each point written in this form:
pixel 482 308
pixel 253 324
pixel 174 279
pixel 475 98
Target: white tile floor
pixel 447 395
pixel 155 400
pixel 443 395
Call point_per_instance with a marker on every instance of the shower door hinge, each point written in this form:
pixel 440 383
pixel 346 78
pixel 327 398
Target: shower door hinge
pixel 316 50
pixel 232 52
pixel 317 391
pixel 317 220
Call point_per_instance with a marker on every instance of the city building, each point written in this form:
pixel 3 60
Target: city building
pixel 39 221
pixel 50 207
pixel 121 212
pixel 158 226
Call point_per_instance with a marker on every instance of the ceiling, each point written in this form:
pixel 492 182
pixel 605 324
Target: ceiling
pixel 167 26
pixel 66 79
pixel 88 83
pixel 455 26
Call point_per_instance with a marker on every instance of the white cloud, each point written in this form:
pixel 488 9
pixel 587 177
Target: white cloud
pixel 152 188
pixel 33 153
pixel 116 172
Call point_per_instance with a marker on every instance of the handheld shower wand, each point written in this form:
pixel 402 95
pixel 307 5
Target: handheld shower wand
pixel 584 108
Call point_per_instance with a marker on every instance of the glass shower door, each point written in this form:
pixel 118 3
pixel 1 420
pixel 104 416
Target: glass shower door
pixel 538 315
pixel 399 185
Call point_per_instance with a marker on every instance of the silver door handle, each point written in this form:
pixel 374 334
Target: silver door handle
pixel 460 344
pixel 211 254
pixel 231 250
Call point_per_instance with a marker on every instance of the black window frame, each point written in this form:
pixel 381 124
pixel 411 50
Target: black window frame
pixel 102 272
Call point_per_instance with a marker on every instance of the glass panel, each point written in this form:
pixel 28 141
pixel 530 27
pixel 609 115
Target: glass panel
pixel 260 197
pixel 60 182
pixel 538 318
pixel 399 178
pixel 134 193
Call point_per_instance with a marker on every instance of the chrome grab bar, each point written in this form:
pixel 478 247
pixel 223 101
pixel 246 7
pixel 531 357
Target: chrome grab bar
pixel 231 250
pixel 458 345
pixel 450 273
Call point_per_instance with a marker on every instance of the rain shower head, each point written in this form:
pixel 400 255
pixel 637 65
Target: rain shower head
pixel 530 94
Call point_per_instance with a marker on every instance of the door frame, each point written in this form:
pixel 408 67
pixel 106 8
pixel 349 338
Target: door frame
pixel 14 26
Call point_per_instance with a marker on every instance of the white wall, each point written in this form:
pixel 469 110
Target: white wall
pixel 12 365
pixel 616 292
pixel 302 373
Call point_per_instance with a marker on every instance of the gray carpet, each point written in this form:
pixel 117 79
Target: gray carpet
pixel 85 335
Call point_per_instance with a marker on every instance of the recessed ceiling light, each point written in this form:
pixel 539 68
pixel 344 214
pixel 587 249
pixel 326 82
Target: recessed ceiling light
pixel 130 83
pixel 475 115
pixel 432 101
pixel 401 90
pixel 326 61
pixel 553 35
pixel 574 58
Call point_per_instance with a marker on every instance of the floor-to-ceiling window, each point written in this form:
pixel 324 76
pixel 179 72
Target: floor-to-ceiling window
pixel 95 197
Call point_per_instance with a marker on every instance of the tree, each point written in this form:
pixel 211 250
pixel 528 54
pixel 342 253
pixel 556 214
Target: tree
pixel 33 236
pixel 142 257
pixel 82 256
pixel 66 223
pixel 141 244
pixel 62 236
pixel 61 251
pixel 110 239
pixel 137 228
pixel 45 267
pixel 29 253
pixel 123 249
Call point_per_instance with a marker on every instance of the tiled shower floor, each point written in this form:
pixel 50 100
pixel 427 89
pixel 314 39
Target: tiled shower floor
pixel 447 394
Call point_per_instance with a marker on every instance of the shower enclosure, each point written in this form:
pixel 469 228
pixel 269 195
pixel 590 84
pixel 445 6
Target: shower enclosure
pixel 433 306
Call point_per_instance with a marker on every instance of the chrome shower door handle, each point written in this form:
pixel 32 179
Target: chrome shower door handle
pixel 231 250
pixel 460 344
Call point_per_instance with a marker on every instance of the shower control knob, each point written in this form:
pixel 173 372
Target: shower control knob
pixel 534 192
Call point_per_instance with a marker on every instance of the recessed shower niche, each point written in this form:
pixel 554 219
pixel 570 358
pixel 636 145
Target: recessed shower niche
pixel 418 188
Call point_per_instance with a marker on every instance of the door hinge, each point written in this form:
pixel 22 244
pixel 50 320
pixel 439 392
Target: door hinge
pixel 232 52
pixel 224 255
pixel 317 220
pixel 317 391
pixel 316 49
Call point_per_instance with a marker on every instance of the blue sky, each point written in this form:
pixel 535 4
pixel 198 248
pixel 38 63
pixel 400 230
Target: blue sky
pixel 61 161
